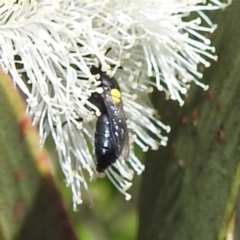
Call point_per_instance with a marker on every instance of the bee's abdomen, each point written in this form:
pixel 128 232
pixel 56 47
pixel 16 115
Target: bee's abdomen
pixel 104 148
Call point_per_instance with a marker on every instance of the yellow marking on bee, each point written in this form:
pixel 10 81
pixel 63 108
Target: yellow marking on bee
pixel 116 96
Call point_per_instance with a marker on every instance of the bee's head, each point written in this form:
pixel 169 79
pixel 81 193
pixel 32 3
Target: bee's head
pixel 95 70
pixel 107 81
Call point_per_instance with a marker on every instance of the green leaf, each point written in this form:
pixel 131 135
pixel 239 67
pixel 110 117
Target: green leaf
pixel 190 188
pixel 30 204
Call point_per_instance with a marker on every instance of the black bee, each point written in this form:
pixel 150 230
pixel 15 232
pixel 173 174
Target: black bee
pixel 111 134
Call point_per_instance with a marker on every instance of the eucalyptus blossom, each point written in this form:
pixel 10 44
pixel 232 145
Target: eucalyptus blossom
pixel 56 43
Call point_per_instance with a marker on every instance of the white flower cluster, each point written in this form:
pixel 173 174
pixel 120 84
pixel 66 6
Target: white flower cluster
pixel 54 43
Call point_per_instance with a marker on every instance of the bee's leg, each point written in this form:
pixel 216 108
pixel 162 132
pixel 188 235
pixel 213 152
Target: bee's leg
pixel 97 100
pixel 77 119
pixel 65 122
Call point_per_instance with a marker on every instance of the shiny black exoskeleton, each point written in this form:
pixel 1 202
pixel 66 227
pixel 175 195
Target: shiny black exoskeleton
pixel 111 134
pixel 104 146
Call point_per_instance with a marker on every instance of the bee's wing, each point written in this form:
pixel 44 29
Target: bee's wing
pixel 118 125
